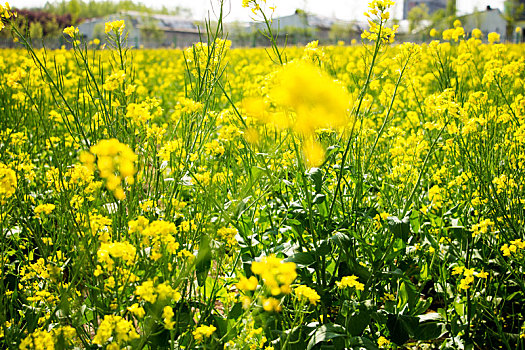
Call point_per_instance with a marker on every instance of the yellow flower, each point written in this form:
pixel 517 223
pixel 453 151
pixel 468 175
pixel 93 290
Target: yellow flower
pixel 116 162
pixel 71 31
pixel 8 182
pixel 476 33
pixel 44 208
pixel 482 274
pixel 350 281
pixel 458 270
pixel 247 284
pixel 167 315
pixel 276 274
pixel 117 26
pixel 146 291
pixel 493 37
pixel 114 80
pixel 383 343
pixel 39 339
pixel 203 332
pixel 136 310
pixel 304 292
pixel 318 101
pixel 271 305
pixel 121 330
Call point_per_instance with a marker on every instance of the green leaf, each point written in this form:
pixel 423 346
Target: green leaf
pixel 401 327
pixel 359 343
pixel 359 318
pixel 424 273
pixel 430 327
pixel 316 175
pixel 203 260
pixel 319 198
pixel 408 295
pixel 341 239
pixel 302 259
pixel 324 248
pixel 236 311
pixel 400 228
pixel 325 332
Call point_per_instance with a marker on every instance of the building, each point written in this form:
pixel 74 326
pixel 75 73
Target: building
pixel 432 5
pixel 490 20
pixel 302 27
pixel 147 30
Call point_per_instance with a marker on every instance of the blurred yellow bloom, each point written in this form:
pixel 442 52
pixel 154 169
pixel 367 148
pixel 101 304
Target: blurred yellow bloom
pixel 117 26
pixel 271 305
pixel 493 37
pixel 71 31
pixel 247 284
pixel 318 101
pixel 44 208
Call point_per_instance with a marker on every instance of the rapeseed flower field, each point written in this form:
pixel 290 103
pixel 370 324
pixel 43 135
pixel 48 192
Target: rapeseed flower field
pixel 347 197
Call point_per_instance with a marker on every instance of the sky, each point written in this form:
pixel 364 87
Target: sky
pixel 342 9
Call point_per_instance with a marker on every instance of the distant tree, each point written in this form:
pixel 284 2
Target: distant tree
pixel 36 30
pixel 341 31
pixel 416 15
pixel 451 12
pixel 514 11
pixel 73 8
pixel 81 9
pixel 33 22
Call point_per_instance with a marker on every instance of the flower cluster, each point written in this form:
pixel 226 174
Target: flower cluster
pixel 5 12
pixel 276 274
pixel 350 282
pixel 455 33
pixel 116 162
pixel 40 339
pixel 44 208
pixel 203 332
pixel 255 5
pixel 482 227
pixel 378 16
pixel 514 247
pixel 227 234
pixel 7 182
pixel 71 31
pixel 117 330
pixel 115 26
pixel 150 293
pixel 307 99
pixel 114 80
pixel 307 293
pixel 468 276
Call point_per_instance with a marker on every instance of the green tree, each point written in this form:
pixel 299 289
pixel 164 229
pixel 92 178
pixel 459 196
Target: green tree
pixel 341 31
pixel 74 8
pixel 36 30
pixel 514 11
pixel 81 9
pixel 450 12
pixel 416 15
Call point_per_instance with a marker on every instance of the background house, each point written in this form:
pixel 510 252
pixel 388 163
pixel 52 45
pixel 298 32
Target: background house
pixel 148 30
pixel 302 27
pixel 489 20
